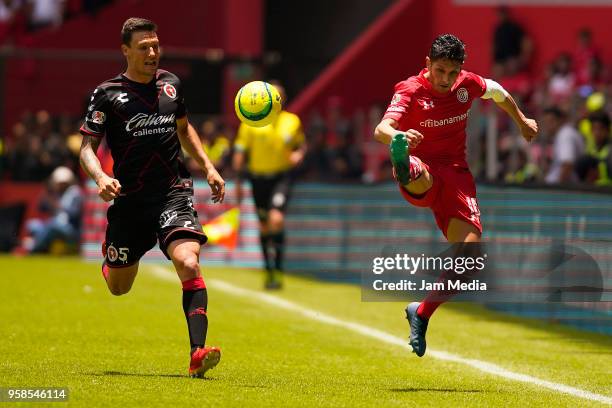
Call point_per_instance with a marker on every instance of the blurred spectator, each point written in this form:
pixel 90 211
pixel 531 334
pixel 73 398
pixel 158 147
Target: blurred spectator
pixel 594 166
pixel 345 160
pixel 35 148
pixel 584 57
pixel 11 21
pixel 375 155
pixel 517 81
pixel 216 145
pixel 45 13
pixel 316 165
pixel 523 171
pixel 54 149
pixel 336 124
pixel 510 42
pixel 69 130
pixel 561 80
pixel 23 155
pixel 568 146
pixel 594 104
pixel 63 202
pixel 94 6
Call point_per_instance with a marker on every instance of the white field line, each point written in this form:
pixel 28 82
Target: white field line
pixel 481 365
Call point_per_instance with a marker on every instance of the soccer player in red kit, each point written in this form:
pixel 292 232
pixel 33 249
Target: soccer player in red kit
pixel 424 127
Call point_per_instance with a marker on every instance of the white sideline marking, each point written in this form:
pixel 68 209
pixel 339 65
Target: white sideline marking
pixel 484 366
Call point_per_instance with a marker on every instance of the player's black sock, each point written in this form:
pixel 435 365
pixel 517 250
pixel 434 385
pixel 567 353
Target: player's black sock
pixel 264 239
pixel 278 240
pixel 195 303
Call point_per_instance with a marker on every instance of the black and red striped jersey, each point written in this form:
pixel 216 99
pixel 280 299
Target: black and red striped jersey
pixel 139 123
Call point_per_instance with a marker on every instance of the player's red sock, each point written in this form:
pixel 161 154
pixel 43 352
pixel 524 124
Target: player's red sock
pixel 105 271
pixel 416 167
pixel 437 297
pixel 426 308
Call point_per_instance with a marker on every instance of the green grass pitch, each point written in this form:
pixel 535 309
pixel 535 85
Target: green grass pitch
pixel 60 327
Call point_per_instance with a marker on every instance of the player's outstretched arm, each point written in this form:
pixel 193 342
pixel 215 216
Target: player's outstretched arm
pixel 108 187
pixel 387 128
pixel 191 142
pixel 527 126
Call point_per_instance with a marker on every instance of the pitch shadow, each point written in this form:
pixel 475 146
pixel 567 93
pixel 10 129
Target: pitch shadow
pixel 122 374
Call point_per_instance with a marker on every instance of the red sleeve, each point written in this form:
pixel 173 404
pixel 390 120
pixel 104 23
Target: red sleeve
pixel 399 102
pixel 477 83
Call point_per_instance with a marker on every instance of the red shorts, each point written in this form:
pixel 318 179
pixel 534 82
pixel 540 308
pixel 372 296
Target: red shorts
pixel 452 195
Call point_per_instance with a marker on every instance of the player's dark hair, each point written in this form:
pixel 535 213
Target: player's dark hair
pixel 134 24
pixel 600 117
pixel 447 46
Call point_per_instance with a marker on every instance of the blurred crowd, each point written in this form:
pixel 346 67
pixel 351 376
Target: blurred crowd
pixel 19 18
pixel 570 100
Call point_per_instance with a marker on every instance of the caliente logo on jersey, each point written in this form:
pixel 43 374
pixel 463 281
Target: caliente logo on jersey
pixel 142 120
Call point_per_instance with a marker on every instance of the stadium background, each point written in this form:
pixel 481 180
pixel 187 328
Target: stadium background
pixel 339 61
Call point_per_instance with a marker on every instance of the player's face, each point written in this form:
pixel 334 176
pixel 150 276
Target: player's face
pixel 442 74
pixel 143 53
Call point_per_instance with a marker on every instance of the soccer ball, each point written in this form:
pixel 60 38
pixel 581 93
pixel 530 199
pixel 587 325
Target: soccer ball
pixel 257 104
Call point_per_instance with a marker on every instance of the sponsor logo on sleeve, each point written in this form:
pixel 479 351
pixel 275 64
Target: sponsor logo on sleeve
pixel 170 91
pixel 98 117
pixel 396 109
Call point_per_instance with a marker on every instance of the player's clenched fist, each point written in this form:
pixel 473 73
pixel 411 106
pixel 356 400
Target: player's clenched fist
pixel 413 137
pixel 108 188
pixel 529 129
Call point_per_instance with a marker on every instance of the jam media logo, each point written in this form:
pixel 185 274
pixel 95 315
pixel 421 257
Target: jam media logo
pixel 426 104
pixel 462 95
pixel 170 91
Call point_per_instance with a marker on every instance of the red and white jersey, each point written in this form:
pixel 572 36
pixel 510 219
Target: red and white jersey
pixel 441 118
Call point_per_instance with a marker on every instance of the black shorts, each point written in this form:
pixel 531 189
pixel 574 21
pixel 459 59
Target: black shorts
pixel 270 192
pixel 134 228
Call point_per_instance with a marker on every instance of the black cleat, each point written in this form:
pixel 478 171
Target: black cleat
pixel 418 328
